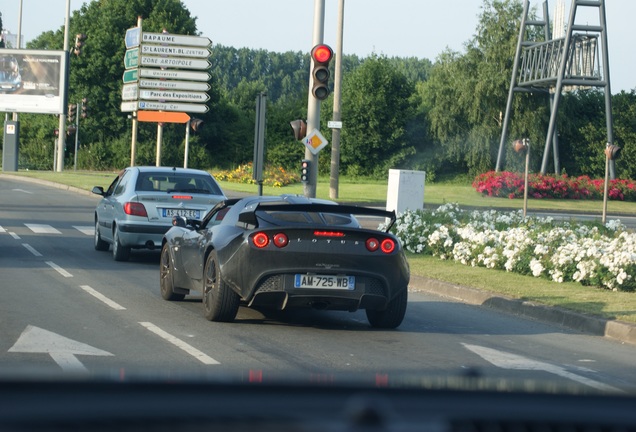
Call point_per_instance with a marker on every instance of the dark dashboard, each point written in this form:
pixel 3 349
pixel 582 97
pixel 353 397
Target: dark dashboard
pixel 257 406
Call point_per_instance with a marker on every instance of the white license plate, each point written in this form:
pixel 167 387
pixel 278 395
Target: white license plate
pixel 168 212
pixel 324 282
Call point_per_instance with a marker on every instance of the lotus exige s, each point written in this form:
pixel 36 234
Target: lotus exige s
pixel 287 252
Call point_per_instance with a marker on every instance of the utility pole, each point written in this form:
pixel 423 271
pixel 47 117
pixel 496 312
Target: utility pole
pixel 334 177
pixel 313 104
pixel 61 141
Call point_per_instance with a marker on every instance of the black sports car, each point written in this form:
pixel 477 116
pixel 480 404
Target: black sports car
pixel 287 252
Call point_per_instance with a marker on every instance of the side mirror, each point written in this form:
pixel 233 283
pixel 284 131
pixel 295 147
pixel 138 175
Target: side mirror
pixel 98 190
pixel 179 221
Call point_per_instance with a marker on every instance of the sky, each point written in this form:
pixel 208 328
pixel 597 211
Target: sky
pixel 403 28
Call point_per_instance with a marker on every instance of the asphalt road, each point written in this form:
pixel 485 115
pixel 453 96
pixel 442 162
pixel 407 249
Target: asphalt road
pixel 66 308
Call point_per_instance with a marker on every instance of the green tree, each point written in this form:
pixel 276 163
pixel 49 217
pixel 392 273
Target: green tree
pixel 377 106
pixel 466 93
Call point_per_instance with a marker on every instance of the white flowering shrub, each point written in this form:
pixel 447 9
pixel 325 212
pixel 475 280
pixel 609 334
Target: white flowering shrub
pixel 588 253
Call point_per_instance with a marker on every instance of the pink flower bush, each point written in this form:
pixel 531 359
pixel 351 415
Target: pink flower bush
pixel 511 185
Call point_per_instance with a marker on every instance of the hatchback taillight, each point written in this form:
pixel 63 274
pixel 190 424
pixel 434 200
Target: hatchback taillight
pixel 135 209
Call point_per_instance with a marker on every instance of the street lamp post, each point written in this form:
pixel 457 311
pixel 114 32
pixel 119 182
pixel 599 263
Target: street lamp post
pixel 521 146
pixel 611 153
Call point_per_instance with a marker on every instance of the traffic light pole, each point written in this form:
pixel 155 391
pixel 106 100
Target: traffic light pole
pixel 313 104
pixel 61 139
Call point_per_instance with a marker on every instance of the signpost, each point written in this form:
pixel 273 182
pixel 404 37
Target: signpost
pixel 133 36
pixel 163 117
pixel 165 106
pixel 171 39
pixel 315 141
pixel 165 78
pixel 173 85
pixel 130 75
pixel 131 58
pixel 174 74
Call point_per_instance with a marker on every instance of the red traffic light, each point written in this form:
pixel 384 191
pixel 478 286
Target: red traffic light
pixel 321 56
pixel 322 53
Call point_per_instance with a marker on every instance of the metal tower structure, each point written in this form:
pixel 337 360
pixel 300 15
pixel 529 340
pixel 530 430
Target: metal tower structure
pixel 578 59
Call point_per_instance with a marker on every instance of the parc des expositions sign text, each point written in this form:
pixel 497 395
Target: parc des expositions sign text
pixel 165 72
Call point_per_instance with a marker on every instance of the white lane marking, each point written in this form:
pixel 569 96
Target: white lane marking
pixel 61 349
pixel 203 358
pixel 2 230
pixel 15 236
pixel 88 230
pixel 42 229
pixel 101 297
pixel 507 360
pixel 31 249
pixel 58 269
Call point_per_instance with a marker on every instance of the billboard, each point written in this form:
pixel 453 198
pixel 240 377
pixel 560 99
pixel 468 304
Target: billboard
pixel 33 81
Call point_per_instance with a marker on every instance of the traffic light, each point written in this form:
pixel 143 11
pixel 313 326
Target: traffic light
pixel 300 129
pixel 305 167
pixel 84 113
pixel 196 124
pixel 321 56
pixel 612 151
pixel 72 112
pixel 79 42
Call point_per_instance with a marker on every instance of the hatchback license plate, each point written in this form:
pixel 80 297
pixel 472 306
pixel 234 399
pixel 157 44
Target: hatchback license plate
pixel 169 212
pixel 324 282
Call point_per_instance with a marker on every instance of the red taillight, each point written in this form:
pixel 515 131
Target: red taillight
pixel 135 209
pixel 387 246
pixel 281 240
pixel 182 197
pixel 318 233
pixel 372 244
pixel 260 240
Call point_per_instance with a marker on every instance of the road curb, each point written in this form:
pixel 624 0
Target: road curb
pixel 619 330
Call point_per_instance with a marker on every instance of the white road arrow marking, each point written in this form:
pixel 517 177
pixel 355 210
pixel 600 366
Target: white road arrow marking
pixel 61 349
pixel 506 360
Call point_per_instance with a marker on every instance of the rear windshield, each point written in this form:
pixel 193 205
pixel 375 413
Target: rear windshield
pixel 178 182
pixel 304 218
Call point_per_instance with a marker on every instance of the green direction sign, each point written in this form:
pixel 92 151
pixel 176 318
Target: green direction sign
pixel 131 59
pixel 130 76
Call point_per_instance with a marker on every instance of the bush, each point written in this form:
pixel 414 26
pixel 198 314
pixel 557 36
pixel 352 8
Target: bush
pixel 511 185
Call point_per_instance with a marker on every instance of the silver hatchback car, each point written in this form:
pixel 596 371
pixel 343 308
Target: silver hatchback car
pixel 137 209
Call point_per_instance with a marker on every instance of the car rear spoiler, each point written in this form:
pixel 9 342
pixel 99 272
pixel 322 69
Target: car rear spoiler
pixel 249 214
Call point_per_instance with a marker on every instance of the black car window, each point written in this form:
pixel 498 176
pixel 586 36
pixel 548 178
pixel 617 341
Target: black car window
pixel 121 186
pixel 303 218
pixel 112 186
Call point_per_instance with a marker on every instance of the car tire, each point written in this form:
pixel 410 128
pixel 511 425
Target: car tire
pixel 166 277
pixel 100 244
pixel 220 303
pixel 120 253
pixel 392 316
